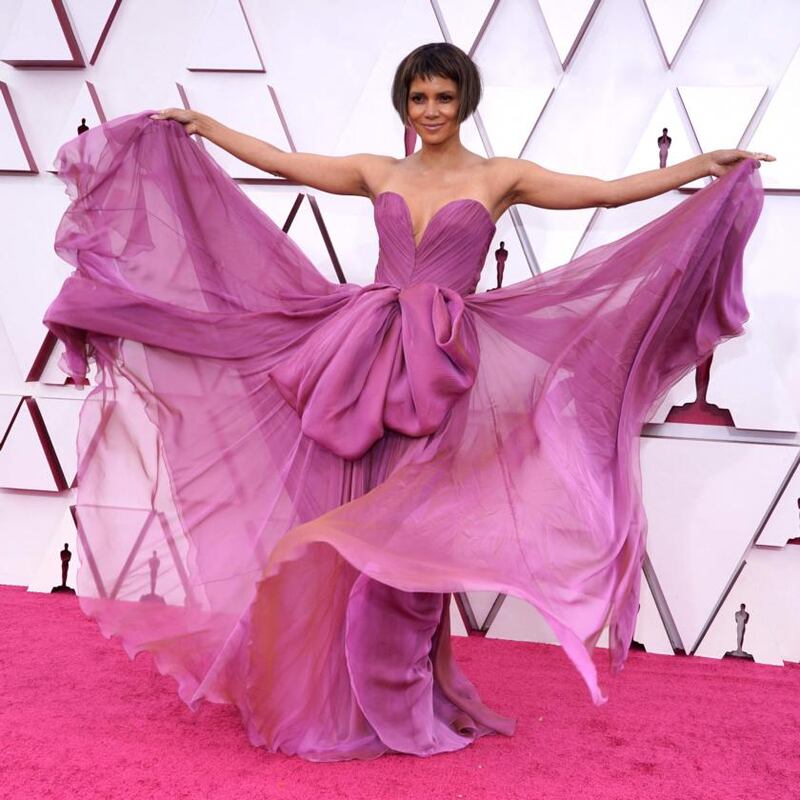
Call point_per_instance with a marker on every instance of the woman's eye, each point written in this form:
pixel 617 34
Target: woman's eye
pixel 446 98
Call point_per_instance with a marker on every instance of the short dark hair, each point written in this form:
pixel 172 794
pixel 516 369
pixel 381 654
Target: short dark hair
pixel 442 59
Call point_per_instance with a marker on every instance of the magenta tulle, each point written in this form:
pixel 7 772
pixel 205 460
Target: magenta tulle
pixel 282 480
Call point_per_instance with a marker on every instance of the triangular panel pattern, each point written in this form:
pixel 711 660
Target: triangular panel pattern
pixel 278 203
pixel 250 109
pixel 42 36
pixel 464 21
pixel 60 417
pixel 783 523
pixel 776 132
pixel 672 20
pixel 704 502
pixel 668 114
pixel 27 458
pixel 720 115
pixel 580 132
pixel 92 22
pixel 411 24
pixel 344 219
pixel 481 603
pixel 515 111
pixel 556 237
pixel 28 522
pixel 48 572
pixel 85 110
pixel 225 41
pixel 650 631
pixel 457 626
pixel 519 620
pixel 15 154
pixel 518 77
pixel 759 638
pixel 9 408
pixel 148 532
pixel 567 23
pixel 44 368
pixel 308 229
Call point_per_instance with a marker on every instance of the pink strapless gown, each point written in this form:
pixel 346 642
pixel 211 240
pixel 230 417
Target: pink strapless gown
pixel 282 480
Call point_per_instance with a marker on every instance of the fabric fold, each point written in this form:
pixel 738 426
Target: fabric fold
pixel 393 358
pixel 275 458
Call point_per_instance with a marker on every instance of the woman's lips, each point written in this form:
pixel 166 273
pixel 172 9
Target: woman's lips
pixel 433 127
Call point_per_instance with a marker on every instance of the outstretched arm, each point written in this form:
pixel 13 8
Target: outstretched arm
pixel 534 185
pixel 354 174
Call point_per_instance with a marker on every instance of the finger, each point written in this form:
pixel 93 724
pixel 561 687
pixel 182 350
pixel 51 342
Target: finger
pixel 759 156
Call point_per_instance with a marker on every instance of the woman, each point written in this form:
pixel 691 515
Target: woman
pixel 319 466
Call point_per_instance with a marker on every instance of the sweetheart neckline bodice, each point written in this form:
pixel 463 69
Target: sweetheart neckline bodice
pixel 437 213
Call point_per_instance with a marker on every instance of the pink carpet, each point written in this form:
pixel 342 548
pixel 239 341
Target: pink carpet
pixel 79 719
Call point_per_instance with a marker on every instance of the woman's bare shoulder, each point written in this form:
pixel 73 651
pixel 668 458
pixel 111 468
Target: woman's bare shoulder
pixel 501 172
pixel 377 171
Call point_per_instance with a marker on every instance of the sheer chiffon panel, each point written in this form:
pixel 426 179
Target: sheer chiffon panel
pixel 262 568
pixel 541 496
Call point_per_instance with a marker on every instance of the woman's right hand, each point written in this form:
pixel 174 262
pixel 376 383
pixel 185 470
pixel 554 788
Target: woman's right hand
pixel 188 118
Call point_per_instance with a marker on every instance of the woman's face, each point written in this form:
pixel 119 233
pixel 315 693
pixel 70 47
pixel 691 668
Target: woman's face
pixel 433 108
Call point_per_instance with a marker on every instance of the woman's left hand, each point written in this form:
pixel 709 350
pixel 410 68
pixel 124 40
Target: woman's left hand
pixel 720 162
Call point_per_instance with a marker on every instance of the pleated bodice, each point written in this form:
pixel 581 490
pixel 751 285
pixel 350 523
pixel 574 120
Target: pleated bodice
pixel 450 253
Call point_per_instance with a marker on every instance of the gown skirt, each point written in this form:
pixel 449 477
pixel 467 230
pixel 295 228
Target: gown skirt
pixel 282 480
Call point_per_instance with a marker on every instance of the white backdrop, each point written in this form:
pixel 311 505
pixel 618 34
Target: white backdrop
pixel 579 86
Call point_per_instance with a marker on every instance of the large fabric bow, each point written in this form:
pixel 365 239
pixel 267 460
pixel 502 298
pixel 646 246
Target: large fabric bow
pixel 391 358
